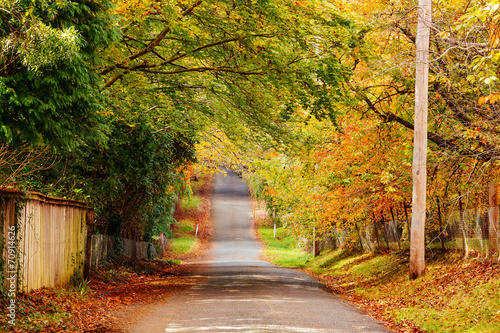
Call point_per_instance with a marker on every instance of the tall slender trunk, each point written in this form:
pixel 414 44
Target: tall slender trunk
pixel 396 223
pixel 441 235
pixel 462 226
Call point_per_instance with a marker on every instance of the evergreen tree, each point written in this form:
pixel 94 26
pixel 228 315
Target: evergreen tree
pixel 49 93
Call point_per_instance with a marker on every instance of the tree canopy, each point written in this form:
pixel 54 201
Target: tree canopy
pixel 313 98
pixel 49 92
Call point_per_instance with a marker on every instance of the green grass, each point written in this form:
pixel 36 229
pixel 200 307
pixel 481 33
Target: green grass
pixel 284 249
pixel 474 244
pixel 185 241
pixel 190 203
pixel 183 245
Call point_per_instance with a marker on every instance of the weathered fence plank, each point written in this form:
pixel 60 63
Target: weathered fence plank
pixel 51 236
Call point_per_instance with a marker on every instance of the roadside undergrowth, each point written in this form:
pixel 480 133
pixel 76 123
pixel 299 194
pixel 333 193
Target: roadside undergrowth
pixel 194 224
pixel 454 295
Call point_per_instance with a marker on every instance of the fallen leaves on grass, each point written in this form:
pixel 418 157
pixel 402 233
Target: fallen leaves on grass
pixel 446 283
pixel 200 216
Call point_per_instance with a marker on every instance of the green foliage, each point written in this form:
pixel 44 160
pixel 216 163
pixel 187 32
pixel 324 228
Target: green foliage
pixel 131 179
pixel 245 66
pixel 61 106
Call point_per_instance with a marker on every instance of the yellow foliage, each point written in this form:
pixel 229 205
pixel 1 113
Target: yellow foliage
pixel 135 8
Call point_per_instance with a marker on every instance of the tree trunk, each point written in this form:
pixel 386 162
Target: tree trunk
pixel 396 223
pixel 407 220
pixel 419 169
pixel 316 249
pixel 359 234
pixel 493 219
pixel 386 234
pixel 462 226
pixel 441 235
pixel 376 230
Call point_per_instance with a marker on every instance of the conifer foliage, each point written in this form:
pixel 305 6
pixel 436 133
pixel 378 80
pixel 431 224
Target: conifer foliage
pixel 49 93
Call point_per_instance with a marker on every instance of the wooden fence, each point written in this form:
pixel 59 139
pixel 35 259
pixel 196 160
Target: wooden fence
pixel 54 239
pixel 103 246
pixel 51 234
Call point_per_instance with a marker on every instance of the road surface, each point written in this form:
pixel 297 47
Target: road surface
pixel 241 293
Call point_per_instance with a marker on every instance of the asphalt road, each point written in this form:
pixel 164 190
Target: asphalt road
pixel 241 293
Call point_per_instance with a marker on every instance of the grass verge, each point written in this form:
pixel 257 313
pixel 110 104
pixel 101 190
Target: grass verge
pixel 193 212
pixel 455 294
pixel 185 241
pixel 284 249
pixel 192 202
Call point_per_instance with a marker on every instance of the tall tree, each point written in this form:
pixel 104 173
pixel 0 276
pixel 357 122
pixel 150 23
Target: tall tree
pixel 48 96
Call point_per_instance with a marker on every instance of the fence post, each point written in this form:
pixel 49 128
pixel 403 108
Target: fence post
pixel 493 218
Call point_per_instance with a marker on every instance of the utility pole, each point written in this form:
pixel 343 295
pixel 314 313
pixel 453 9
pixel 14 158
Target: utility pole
pixel 419 169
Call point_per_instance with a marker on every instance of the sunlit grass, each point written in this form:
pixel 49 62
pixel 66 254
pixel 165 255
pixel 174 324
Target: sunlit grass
pixel 183 245
pixel 185 240
pixel 440 301
pixel 284 249
pixel 190 202
pixel 454 308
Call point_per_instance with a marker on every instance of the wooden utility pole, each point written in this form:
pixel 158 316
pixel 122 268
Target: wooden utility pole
pixel 493 219
pixel 419 169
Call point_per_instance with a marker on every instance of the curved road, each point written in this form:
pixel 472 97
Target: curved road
pixel 244 294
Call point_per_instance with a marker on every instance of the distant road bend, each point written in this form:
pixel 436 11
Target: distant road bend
pixel 244 294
